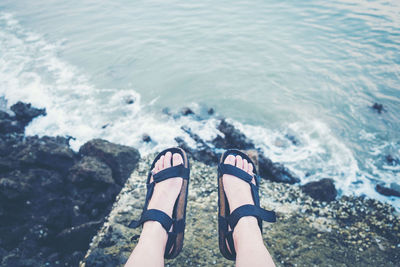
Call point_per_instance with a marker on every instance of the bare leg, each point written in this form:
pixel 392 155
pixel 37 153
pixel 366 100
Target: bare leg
pixel 249 244
pixel 151 246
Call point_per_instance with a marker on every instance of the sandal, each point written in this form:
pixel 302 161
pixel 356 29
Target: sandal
pixel 175 238
pixel 225 218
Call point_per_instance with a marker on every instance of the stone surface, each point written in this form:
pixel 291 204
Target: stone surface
pixel 121 159
pixel 233 138
pixel 322 190
pixel 25 112
pixel 349 231
pixel 186 111
pixel 393 190
pixel 90 170
pixel 47 152
pixel 275 172
pixel 378 107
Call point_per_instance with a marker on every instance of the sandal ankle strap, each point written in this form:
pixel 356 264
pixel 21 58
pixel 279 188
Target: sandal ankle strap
pixel 250 210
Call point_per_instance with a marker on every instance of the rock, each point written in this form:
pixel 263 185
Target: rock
pixel 47 152
pixel 292 139
pixel 203 154
pixel 121 159
pixel 391 160
pixel 91 171
pixel 25 113
pixel 11 126
pixel 378 107
pixel 52 200
pixel 275 171
pixel 146 138
pixel 4 115
pixel 210 111
pixel 186 111
pixel 386 191
pixel 100 258
pixel 12 190
pixel 233 138
pixel 166 111
pixel 77 237
pixel 76 257
pixel 129 100
pixel 322 190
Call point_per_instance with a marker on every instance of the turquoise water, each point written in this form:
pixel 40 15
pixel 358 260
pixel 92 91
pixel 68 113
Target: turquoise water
pixel 311 69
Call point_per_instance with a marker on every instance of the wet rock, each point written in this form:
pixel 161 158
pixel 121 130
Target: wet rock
pixel 121 159
pixel 232 138
pixel 203 154
pixel 90 170
pixel 186 111
pixel 146 138
pixel 4 115
pixel 275 172
pixel 393 190
pixel 378 107
pixel 11 190
pixel 166 111
pixel 292 139
pixel 129 100
pixel 47 152
pixel 100 258
pixel 391 160
pixel 322 190
pixel 77 237
pixel 10 125
pixel 25 112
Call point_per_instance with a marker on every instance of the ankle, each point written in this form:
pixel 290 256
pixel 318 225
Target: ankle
pixel 153 232
pixel 247 229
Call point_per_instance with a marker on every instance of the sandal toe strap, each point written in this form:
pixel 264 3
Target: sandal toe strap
pixel 235 171
pixel 172 172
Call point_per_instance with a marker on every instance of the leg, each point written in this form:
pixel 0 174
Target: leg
pixel 249 245
pixel 151 246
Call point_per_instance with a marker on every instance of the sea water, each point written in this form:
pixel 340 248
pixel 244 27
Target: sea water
pixel 306 69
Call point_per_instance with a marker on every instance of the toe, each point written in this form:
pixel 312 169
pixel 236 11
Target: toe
pixel 230 160
pixel 239 162
pixel 156 167
pixel 161 164
pixel 167 159
pixel 250 169
pixel 177 159
pixel 245 165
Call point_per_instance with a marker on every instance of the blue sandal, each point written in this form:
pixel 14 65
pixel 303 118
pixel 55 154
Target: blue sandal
pixel 225 217
pixel 175 238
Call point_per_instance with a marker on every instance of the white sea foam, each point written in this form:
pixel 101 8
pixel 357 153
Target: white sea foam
pixel 31 71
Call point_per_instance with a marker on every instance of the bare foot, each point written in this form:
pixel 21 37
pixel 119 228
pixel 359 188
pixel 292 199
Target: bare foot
pixel 166 192
pixel 237 191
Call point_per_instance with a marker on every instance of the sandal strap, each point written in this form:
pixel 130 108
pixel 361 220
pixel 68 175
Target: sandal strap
pixel 235 171
pixel 172 172
pixel 154 215
pixel 250 210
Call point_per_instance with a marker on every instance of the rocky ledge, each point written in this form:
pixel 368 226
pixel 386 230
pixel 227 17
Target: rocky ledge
pixel 350 231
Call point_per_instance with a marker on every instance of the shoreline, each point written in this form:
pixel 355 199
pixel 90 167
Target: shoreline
pixel 70 194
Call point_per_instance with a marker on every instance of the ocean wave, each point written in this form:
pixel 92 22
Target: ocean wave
pixel 31 71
